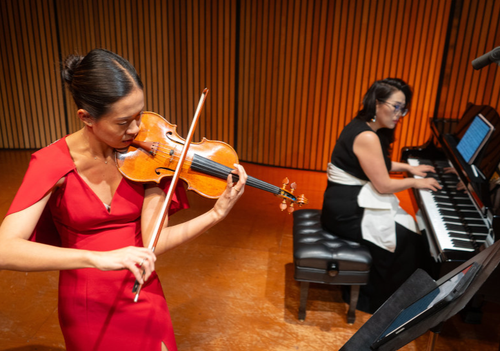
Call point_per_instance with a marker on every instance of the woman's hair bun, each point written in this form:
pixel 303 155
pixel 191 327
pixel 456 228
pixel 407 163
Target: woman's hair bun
pixel 69 67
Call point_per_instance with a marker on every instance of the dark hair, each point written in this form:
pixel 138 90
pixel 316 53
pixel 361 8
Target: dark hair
pixel 381 90
pixel 98 80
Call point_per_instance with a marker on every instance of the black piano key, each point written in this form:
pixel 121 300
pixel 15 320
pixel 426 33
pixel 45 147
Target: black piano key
pixel 450 213
pixel 448 219
pixel 461 195
pixel 443 203
pixel 479 236
pixel 456 227
pixel 463 201
pixel 461 198
pixel 466 208
pixel 441 163
pixel 462 236
pixel 468 213
pixel 441 192
pixel 462 244
pixel 475 222
pixel 478 230
pixel 456 220
pixel 456 235
pixel 441 195
pixel 469 210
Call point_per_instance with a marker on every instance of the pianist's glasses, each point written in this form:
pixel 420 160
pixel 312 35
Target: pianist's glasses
pixel 397 108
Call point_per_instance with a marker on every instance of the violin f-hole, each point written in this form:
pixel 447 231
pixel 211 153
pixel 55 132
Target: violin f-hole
pixel 169 137
pixel 159 169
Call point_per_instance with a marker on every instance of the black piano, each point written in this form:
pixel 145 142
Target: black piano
pixel 458 224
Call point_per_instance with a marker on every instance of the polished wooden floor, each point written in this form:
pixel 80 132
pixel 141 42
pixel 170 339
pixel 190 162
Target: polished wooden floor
pixel 230 289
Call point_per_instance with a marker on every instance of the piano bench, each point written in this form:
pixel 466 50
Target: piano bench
pixel 322 257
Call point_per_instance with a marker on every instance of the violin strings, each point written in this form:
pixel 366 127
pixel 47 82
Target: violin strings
pixel 210 167
pixel 162 153
pixel 215 169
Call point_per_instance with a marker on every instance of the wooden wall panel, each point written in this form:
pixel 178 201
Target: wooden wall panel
pixel 475 31
pixel 178 47
pixel 29 87
pixel 285 76
pixel 336 50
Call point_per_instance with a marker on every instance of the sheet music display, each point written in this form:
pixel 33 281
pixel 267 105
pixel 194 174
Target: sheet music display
pixel 475 138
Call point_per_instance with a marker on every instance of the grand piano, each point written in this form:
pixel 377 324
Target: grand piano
pixel 459 224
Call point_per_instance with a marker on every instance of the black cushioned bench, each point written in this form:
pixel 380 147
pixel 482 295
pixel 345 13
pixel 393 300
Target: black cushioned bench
pixel 322 257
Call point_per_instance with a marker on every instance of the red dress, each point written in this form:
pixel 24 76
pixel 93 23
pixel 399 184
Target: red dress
pixel 96 308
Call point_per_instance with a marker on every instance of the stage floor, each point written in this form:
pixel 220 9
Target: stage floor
pixel 230 289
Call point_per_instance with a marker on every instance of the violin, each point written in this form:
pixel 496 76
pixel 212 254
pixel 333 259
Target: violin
pixel 158 151
pixel 155 154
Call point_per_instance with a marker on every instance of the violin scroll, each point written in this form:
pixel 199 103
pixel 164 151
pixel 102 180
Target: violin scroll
pixel 288 195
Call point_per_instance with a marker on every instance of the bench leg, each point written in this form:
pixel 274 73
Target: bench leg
pixel 304 290
pixel 351 314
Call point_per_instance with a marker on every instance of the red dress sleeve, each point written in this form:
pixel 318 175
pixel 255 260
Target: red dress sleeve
pixel 46 167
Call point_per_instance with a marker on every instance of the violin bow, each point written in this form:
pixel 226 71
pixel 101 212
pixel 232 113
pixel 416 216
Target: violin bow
pixel 173 184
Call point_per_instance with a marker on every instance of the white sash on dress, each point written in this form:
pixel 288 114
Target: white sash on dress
pixel 381 211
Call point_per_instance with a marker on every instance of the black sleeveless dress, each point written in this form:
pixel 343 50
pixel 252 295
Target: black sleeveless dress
pixel 342 216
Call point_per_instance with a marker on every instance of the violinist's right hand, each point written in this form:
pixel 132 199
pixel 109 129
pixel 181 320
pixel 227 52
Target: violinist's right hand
pixel 135 259
pixel 427 183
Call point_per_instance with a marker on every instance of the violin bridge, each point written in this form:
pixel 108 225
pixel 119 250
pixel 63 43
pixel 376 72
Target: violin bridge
pixel 154 148
pixel 148 146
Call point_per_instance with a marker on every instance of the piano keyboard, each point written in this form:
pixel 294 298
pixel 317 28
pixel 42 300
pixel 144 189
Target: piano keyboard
pixel 456 221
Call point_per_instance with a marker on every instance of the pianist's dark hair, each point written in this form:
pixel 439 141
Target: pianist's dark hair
pixel 381 90
pixel 98 80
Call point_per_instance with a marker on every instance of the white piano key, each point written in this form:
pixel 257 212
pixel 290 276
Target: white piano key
pixel 432 210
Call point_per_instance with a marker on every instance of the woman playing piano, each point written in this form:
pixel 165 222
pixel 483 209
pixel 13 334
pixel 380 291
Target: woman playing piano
pixel 76 213
pixel 359 202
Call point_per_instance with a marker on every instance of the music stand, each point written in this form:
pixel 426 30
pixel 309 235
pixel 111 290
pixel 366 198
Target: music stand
pixel 417 286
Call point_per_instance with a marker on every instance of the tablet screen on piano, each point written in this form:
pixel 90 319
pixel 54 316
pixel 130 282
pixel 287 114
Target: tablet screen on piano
pixel 475 138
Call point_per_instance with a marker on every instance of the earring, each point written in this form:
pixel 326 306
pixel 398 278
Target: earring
pixel 374 119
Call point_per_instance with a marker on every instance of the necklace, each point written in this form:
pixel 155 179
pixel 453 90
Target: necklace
pixel 105 161
pixel 87 140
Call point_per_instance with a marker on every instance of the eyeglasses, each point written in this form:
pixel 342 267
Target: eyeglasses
pixel 398 109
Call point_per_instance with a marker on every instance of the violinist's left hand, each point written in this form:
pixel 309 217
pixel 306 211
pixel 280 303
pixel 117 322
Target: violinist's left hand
pixel 232 192
pixel 422 170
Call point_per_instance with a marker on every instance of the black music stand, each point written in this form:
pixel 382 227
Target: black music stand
pixel 417 286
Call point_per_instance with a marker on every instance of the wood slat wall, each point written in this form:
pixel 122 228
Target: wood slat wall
pixel 285 76
pixel 475 31
pixel 308 64
pixel 178 47
pixel 30 88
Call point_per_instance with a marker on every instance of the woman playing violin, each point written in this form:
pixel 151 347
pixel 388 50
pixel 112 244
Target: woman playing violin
pixel 76 213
